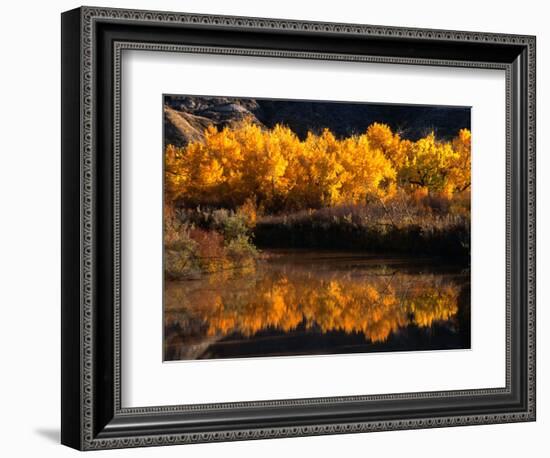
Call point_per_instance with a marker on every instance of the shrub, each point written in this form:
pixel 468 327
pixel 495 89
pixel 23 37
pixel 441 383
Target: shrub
pixel 241 248
pixel 209 244
pixel 234 227
pixel 201 241
pixel 180 250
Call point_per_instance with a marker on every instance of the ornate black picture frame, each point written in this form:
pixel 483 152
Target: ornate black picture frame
pixel 92 42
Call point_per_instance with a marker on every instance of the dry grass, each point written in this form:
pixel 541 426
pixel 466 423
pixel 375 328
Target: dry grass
pixel 430 226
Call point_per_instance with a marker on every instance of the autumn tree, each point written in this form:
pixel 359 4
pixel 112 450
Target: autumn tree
pixel 461 168
pixel 278 171
pixel 392 146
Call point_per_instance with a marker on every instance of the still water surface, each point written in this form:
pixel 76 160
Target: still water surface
pixel 313 302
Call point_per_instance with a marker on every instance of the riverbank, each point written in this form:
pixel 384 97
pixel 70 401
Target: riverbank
pixel 356 228
pixel 201 241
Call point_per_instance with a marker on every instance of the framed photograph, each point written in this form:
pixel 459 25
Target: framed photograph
pixel 276 228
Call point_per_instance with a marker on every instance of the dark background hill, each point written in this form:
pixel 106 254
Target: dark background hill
pixel 185 117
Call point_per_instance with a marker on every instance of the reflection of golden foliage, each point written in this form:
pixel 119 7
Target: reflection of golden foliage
pixel 281 171
pixel 374 305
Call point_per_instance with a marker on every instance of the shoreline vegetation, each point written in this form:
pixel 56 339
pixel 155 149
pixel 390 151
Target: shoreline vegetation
pixel 244 188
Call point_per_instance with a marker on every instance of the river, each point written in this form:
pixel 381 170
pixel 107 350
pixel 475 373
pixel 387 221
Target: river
pixel 303 302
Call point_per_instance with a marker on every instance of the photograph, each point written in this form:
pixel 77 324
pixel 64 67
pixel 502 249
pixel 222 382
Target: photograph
pixel 314 227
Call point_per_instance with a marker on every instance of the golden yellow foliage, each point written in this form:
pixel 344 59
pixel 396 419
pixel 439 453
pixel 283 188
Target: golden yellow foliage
pixel 278 171
pixel 461 169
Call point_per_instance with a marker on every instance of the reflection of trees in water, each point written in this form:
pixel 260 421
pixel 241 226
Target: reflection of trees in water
pixel 375 304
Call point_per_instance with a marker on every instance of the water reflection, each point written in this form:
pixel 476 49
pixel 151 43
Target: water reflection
pixel 307 303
